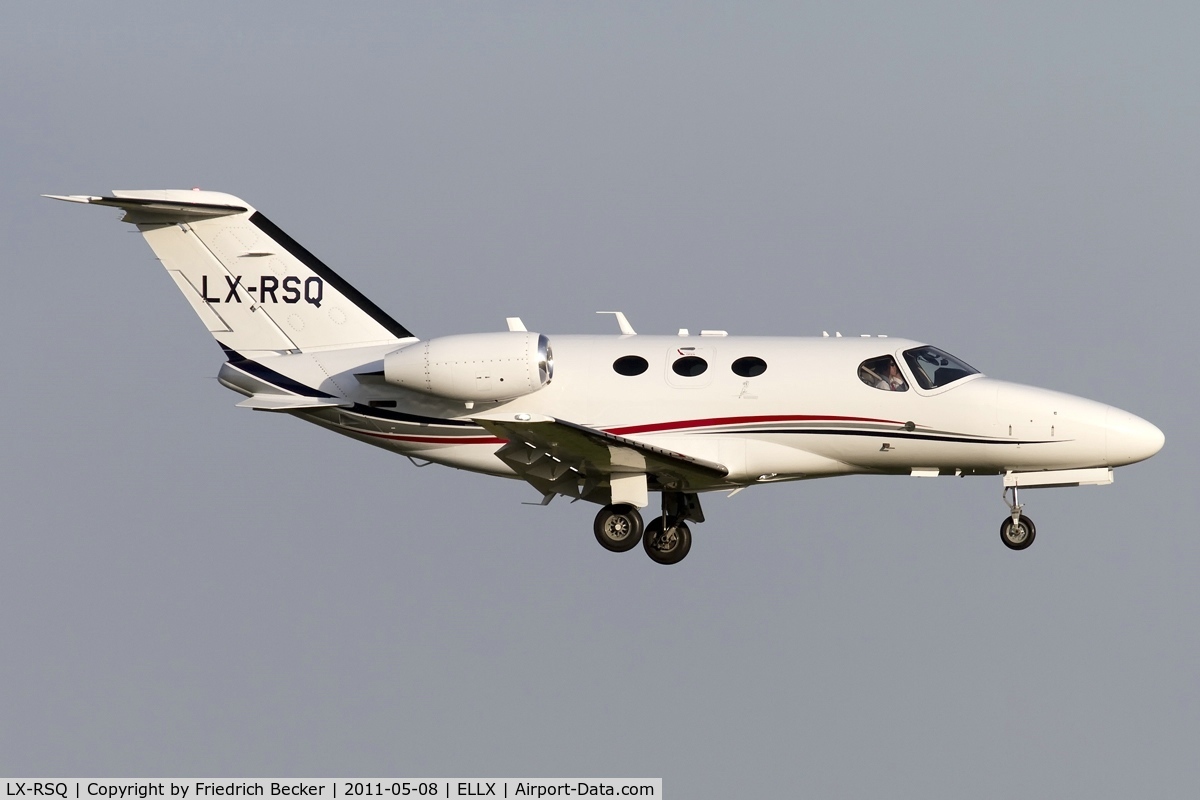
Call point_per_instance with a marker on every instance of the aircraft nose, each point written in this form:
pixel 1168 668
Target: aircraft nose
pixel 1130 438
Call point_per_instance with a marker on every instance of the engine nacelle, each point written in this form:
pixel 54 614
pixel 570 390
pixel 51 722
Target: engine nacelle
pixel 473 366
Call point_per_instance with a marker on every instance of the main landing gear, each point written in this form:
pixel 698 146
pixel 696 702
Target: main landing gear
pixel 1017 531
pixel 618 528
pixel 666 539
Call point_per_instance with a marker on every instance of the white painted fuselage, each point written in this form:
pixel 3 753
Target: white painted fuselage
pixel 807 415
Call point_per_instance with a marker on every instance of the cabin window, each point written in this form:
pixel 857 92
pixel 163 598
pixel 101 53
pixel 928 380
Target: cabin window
pixel 689 366
pixel 883 373
pixel 749 366
pixel 630 365
pixel 935 368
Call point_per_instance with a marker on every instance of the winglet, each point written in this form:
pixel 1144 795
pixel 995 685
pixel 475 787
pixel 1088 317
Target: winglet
pixel 546 498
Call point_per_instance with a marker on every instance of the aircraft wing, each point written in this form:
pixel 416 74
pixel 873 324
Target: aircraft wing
pixel 560 457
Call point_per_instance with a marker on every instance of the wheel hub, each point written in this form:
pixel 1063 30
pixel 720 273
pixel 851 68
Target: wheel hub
pixel 618 527
pixel 666 541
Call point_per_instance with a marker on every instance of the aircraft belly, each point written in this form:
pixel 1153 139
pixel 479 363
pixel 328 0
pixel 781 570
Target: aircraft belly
pixel 471 457
pixel 983 456
pixel 476 454
pixel 777 456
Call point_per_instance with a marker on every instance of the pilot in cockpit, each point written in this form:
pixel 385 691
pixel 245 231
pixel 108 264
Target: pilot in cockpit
pixel 882 373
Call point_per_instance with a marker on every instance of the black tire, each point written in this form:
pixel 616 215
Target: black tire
pixel 1019 536
pixel 618 528
pixel 667 544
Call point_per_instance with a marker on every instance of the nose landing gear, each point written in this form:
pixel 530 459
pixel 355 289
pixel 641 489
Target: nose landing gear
pixel 1017 531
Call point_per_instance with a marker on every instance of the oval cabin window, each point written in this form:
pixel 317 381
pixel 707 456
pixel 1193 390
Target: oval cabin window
pixel 749 367
pixel 690 366
pixel 630 365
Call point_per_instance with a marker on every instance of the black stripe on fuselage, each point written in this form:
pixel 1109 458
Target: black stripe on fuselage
pixel 281 381
pixel 929 437
pixel 400 416
pixel 329 276
pixel 268 375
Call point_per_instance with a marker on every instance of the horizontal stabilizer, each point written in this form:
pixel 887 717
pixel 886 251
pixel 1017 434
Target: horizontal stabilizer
pixel 291 402
pixel 163 207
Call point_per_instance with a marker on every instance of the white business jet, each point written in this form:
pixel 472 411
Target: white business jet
pixel 611 419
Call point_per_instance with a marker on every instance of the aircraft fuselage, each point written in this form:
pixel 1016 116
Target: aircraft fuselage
pixel 807 415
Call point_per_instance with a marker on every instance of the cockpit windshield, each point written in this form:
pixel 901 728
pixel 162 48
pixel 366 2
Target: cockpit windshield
pixel 935 368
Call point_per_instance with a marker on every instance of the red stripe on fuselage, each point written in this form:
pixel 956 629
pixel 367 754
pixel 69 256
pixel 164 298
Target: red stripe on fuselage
pixel 633 429
pixel 716 421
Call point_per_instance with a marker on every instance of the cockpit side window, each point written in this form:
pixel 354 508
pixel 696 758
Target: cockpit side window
pixel 935 368
pixel 883 373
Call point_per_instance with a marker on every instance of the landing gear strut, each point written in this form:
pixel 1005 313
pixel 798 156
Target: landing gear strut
pixel 668 538
pixel 1017 531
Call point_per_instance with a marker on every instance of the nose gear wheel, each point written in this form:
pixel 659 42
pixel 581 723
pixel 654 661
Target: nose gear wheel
pixel 1017 531
pixel 1017 535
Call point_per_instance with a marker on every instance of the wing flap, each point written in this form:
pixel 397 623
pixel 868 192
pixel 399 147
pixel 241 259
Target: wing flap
pixel 566 458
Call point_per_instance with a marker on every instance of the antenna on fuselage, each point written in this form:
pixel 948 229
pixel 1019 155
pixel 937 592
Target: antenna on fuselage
pixel 622 323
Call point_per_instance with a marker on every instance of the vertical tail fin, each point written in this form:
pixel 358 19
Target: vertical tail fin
pixel 253 286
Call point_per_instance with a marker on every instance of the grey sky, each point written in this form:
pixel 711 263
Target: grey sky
pixel 192 589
